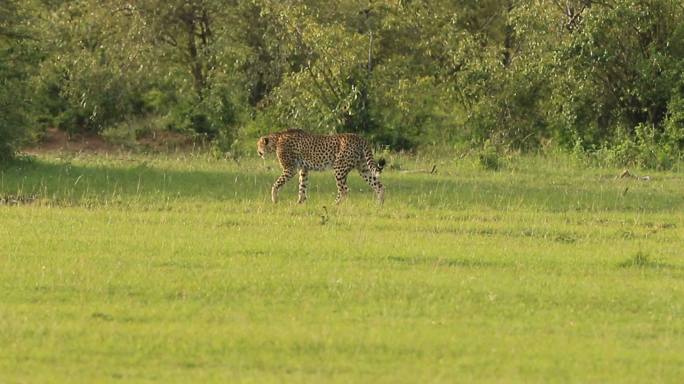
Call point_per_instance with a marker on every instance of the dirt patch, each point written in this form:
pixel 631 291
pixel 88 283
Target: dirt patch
pixel 165 140
pixel 55 140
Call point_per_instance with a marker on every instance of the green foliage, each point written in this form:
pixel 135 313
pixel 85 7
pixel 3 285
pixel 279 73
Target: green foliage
pixel 16 60
pixel 13 120
pixel 617 68
pixel 674 124
pixel 647 148
pixel 126 61
pixel 127 132
pixel 406 74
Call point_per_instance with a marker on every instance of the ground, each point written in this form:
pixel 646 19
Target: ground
pixel 55 141
pixel 177 268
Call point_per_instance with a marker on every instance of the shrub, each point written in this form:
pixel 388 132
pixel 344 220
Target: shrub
pixel 645 148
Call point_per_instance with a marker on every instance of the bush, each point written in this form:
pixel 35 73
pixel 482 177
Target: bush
pixel 16 64
pixel 129 131
pixel 13 125
pixel 646 148
pixel 614 76
pixel 674 124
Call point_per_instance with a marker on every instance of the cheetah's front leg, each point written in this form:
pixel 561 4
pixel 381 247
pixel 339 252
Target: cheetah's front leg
pixel 374 182
pixel 280 181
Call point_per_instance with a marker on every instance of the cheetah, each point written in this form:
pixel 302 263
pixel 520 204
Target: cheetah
pixel 301 151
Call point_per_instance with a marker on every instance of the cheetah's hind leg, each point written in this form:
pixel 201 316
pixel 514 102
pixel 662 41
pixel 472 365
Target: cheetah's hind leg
pixel 342 188
pixel 303 178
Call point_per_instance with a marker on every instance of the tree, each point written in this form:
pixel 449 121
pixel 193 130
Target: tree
pixel 15 60
pixel 114 61
pixel 322 90
pixel 513 73
pixel 619 66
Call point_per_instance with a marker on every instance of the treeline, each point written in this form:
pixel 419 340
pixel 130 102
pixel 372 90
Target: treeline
pixel 590 76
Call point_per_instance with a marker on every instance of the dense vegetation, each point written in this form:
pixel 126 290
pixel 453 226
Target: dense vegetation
pixel 601 78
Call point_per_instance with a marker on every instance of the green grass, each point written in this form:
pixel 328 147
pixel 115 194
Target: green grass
pixel 179 269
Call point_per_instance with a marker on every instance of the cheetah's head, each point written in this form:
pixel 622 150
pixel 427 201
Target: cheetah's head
pixel 266 144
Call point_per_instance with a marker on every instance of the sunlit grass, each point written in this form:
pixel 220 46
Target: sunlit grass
pixel 178 268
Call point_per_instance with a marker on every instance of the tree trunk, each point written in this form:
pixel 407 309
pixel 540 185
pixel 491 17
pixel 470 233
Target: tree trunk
pixel 195 62
pixel 508 38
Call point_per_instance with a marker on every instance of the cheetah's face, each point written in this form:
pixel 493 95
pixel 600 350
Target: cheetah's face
pixel 265 145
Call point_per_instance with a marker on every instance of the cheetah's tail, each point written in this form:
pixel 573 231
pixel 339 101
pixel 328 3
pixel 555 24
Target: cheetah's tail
pixel 374 167
pixel 381 164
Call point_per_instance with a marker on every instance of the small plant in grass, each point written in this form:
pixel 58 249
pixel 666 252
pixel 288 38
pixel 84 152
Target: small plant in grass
pixel 122 134
pixel 642 260
pixel 489 157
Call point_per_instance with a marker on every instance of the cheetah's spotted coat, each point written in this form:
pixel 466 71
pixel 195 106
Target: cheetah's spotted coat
pixel 300 151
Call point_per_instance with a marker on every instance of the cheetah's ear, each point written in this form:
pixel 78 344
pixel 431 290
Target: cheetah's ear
pixel 265 140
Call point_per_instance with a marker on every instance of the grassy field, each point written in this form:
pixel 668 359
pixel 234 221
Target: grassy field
pixel 179 269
